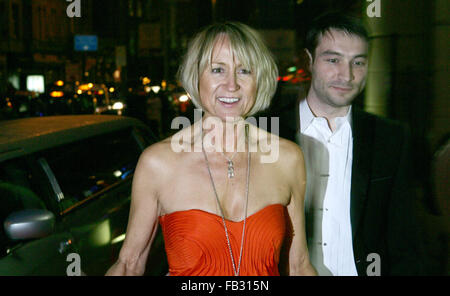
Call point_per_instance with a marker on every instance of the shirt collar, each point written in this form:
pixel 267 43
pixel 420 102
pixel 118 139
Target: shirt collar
pixel 307 117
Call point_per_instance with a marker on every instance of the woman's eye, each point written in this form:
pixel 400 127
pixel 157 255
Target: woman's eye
pixel 216 70
pixel 333 61
pixel 244 71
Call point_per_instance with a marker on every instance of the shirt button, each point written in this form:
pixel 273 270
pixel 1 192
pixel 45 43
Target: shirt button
pixel 324 244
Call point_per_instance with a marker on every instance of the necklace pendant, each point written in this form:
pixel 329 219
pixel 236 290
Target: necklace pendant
pixel 230 169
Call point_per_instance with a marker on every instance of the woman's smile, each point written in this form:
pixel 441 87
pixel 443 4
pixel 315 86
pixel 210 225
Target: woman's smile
pixel 227 88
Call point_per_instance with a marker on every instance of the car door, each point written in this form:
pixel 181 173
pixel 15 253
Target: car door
pixel 19 190
pixel 94 177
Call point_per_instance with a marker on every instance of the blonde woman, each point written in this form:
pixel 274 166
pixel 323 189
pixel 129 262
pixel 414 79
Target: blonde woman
pixel 223 207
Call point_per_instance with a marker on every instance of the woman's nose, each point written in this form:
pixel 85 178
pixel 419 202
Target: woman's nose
pixel 232 83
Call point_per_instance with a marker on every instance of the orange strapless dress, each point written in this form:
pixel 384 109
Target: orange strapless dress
pixel 196 244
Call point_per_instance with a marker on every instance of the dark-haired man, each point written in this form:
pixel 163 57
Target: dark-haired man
pixel 359 207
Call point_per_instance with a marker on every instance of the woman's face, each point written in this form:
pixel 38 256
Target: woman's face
pixel 227 89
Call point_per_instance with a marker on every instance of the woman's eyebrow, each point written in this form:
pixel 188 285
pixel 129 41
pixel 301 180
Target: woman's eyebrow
pixel 224 64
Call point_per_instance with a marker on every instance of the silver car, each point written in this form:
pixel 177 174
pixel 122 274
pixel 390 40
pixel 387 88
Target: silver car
pixel 65 185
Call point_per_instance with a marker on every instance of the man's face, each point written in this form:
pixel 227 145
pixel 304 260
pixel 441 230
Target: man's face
pixel 339 68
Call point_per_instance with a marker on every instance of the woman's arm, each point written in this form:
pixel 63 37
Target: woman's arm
pixel 299 263
pixel 142 222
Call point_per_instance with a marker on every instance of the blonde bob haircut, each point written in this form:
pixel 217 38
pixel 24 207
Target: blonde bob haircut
pixel 246 44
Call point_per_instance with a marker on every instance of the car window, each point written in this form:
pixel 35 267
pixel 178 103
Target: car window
pixel 84 168
pixel 18 191
pixel 145 137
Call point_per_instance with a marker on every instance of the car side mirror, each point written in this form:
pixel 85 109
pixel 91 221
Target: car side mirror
pixel 28 224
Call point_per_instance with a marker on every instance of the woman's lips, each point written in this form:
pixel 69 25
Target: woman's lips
pixel 228 101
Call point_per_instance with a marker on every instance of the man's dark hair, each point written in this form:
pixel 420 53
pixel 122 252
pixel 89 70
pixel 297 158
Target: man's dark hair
pixel 337 21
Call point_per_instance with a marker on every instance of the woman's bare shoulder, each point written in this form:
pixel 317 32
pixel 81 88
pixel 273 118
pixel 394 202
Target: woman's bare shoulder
pixel 290 157
pixel 288 150
pixel 169 151
pixel 157 155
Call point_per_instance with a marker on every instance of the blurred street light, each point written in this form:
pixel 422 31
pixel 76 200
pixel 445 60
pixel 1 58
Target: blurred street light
pixel 183 98
pixel 145 80
pixel 117 106
pixel 156 89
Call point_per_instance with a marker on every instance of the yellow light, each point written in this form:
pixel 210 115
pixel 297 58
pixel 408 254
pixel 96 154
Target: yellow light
pixel 84 87
pixel 118 239
pixel 116 74
pixel 56 94
pixel 59 83
pixel 111 89
pixel 101 234
pixel 145 80
pixel 163 84
pixel 101 92
pixel 79 91
pixel 90 85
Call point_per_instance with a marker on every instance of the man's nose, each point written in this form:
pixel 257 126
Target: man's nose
pixel 346 72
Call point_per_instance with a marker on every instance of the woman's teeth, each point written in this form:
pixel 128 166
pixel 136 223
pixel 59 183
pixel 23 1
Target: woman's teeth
pixel 228 100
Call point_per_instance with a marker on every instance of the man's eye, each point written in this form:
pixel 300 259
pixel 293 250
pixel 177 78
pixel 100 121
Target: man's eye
pixel 333 61
pixel 360 63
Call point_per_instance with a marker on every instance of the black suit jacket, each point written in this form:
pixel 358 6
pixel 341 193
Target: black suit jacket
pixel 382 207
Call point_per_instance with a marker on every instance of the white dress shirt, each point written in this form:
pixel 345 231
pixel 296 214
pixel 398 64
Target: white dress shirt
pixel 328 161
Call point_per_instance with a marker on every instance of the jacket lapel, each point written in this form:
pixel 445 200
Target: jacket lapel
pixel 363 135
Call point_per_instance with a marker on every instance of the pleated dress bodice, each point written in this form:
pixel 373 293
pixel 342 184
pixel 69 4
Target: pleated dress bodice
pixel 196 244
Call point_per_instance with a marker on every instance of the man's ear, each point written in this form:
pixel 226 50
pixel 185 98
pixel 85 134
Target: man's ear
pixel 310 59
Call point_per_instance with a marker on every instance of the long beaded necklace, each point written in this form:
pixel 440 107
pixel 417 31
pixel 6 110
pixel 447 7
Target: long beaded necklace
pixel 236 271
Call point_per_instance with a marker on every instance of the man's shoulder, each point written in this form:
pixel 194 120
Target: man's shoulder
pixel 378 123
